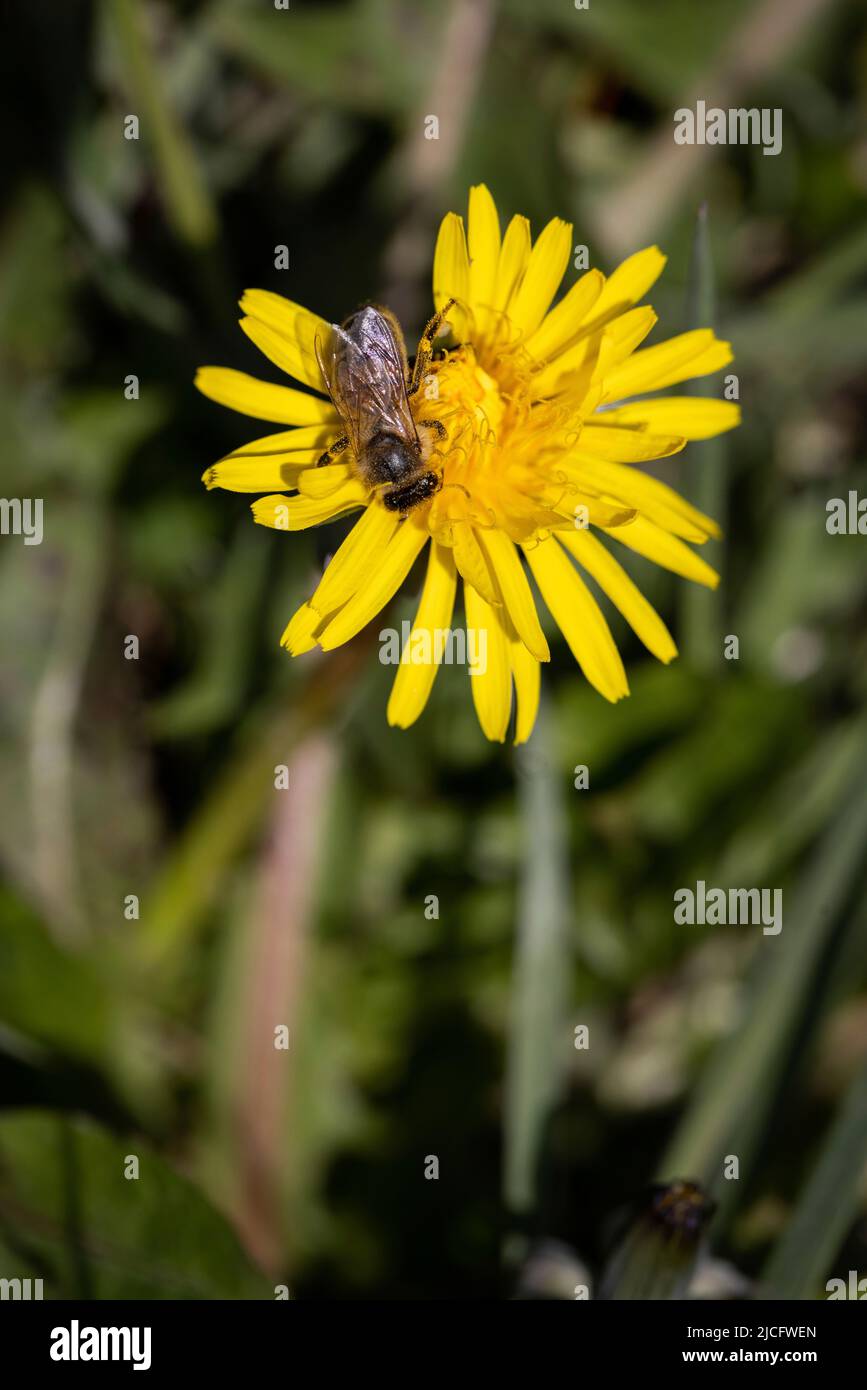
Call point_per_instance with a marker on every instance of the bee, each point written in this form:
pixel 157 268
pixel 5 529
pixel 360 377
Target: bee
pixel 369 381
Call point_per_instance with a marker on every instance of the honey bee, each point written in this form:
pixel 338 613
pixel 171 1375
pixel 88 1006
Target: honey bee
pixel 369 381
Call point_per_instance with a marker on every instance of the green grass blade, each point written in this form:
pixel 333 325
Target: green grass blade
pixel 704 472
pixel 537 1042
pixel 188 200
pixel 734 1099
pixel 801 1259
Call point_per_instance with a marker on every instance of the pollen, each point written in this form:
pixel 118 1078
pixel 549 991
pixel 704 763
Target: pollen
pixel 499 459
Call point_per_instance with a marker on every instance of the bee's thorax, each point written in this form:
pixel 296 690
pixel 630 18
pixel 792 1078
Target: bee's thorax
pixel 391 459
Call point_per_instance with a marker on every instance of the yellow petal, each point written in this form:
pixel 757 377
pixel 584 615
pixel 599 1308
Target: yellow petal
pixel 297 513
pixel 298 326
pixel 679 359
pixel 280 350
pixel 514 255
pixel 491 681
pixel 561 324
pixel 414 680
pixel 545 269
pixel 626 331
pixel 472 562
pixel 351 563
pixel 576 501
pixel 652 498
pixel 236 474
pixel 627 446
pixel 564 370
pixel 657 545
pixel 626 596
pixel 451 272
pixel 288 444
pixel 515 591
pixel 324 482
pixel 249 396
pixel 631 281
pixel 695 417
pixel 483 239
pixel 526 674
pixel 257 468
pixel 603 348
pixel 383 579
pixel 299 635
pixel 578 615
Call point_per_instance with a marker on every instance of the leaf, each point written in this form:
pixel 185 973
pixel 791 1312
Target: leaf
pixel 50 996
pixel 93 1233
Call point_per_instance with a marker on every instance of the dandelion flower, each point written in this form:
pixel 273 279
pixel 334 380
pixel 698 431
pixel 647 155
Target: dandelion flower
pixel 545 421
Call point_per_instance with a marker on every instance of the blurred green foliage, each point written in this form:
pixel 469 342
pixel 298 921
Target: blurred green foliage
pixel 411 1036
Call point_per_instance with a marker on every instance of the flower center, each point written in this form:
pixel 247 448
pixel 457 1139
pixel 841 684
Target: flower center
pixel 499 458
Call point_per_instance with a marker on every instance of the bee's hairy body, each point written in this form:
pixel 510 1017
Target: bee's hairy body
pixel 390 460
pixel 369 381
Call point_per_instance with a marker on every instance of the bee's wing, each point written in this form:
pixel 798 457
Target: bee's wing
pixel 368 378
pixel 332 357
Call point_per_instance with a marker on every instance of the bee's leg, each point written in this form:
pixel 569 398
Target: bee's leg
pixel 404 496
pixel 426 347
pixel 430 433
pixel 333 450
